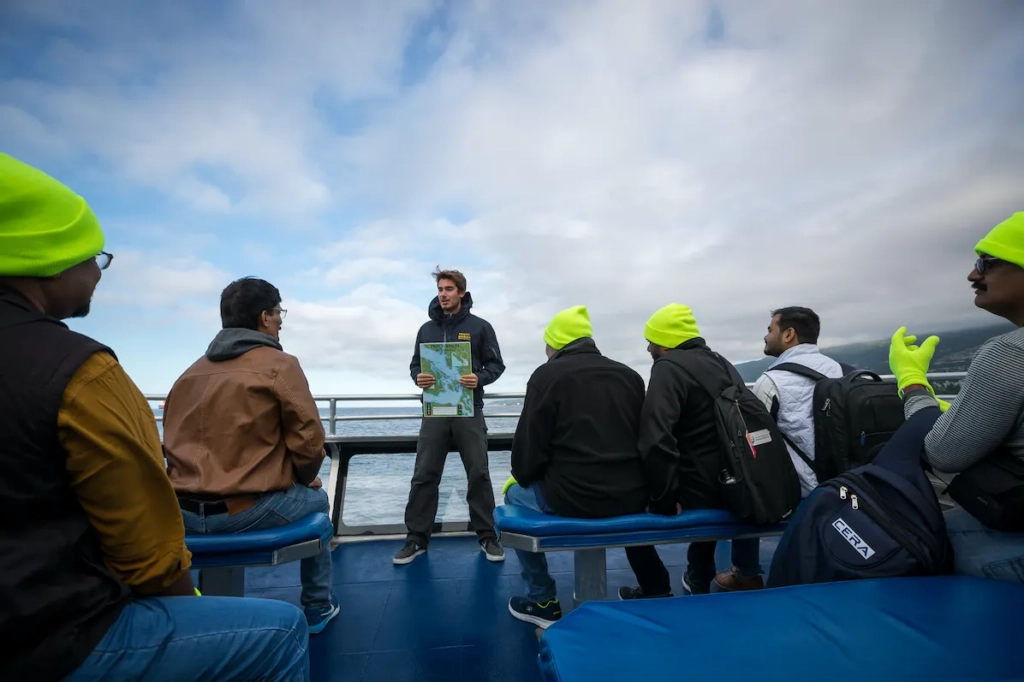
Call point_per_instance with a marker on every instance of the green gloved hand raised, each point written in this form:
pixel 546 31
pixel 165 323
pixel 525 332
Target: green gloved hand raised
pixel 508 484
pixel 909 362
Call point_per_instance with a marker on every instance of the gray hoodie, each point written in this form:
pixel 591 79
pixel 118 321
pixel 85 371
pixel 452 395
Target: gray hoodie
pixel 235 341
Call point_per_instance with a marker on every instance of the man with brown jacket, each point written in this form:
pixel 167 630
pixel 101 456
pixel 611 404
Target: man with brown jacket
pixel 243 436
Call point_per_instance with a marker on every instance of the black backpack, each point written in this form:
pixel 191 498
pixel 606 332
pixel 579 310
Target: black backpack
pixel 758 481
pixel 854 417
pixel 992 491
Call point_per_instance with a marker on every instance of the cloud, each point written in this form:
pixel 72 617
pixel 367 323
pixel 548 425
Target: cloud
pixel 844 158
pixel 730 155
pixel 219 111
pixel 160 283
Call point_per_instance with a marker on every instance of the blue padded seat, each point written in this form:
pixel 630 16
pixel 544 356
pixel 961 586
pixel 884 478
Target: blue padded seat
pixel 923 628
pixel 566 533
pixel 255 547
pixel 533 531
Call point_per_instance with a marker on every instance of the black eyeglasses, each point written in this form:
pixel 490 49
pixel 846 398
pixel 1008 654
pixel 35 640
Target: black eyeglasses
pixel 985 263
pixel 103 259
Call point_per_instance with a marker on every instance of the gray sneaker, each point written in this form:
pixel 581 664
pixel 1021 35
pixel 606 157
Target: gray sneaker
pixel 492 550
pixel 410 551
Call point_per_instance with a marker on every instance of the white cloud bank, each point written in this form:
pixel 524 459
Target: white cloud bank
pixel 732 156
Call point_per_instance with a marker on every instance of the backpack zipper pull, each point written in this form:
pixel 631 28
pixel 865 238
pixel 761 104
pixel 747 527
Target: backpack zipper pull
pixel 842 492
pixel 853 501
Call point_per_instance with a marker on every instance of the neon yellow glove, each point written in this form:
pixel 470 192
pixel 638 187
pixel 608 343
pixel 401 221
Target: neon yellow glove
pixel 508 484
pixel 198 593
pixel 908 361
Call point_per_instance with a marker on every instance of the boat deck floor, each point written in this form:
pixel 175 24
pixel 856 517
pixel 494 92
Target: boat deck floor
pixel 442 617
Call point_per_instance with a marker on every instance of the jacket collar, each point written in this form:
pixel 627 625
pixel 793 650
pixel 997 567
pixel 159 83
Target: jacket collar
pixel 692 344
pixel 437 315
pixel 577 347
pixel 797 351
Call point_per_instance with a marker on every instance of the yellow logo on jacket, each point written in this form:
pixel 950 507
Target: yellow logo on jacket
pixel 464 336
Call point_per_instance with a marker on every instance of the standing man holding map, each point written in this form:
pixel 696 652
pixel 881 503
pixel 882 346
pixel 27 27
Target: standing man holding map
pixel 453 386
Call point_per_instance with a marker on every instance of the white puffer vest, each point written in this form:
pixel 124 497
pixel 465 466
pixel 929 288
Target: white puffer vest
pixel 796 402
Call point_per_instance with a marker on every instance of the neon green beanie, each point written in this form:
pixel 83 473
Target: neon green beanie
pixel 671 326
pixel 1005 241
pixel 45 228
pixel 567 326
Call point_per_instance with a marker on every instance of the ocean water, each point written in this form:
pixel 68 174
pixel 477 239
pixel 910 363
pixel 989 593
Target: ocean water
pixel 378 485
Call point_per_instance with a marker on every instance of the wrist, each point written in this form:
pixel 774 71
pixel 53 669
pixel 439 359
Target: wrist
pixel 913 386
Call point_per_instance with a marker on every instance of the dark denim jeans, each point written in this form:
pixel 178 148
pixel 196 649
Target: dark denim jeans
pixel 273 510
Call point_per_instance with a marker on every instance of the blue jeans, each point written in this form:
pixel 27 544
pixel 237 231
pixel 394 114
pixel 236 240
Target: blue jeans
pixel 270 511
pixel 228 639
pixel 540 586
pixel 980 551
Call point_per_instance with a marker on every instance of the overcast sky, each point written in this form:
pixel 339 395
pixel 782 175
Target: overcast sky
pixel 732 156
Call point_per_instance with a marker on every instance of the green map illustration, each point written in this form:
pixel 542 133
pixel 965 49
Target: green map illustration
pixel 447 362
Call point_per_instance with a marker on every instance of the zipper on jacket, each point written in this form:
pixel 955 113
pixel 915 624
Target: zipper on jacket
pixel 925 538
pixel 884 523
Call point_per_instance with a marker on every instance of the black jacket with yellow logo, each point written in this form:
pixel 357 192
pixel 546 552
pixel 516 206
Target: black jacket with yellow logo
pixel 462 326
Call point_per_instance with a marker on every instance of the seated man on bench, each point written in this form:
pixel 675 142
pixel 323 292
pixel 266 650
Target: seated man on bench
pixel 94 570
pixel 681 451
pixel 243 436
pixel 574 452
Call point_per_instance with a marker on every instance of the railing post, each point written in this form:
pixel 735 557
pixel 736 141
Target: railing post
pixel 333 413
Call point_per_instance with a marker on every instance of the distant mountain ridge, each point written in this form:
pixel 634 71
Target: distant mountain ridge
pixel 953 354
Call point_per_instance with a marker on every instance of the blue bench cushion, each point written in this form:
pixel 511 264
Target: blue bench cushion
pixel 307 528
pixel 566 532
pixel 934 628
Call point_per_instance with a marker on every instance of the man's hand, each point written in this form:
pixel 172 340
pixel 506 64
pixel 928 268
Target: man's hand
pixel 316 483
pixel 424 380
pixel 469 380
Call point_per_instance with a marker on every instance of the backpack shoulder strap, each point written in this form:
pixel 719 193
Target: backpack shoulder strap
pixel 794 368
pixel 800 453
pixel 697 371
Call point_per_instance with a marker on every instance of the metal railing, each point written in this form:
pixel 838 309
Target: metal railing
pixel 342 449
pixel 333 400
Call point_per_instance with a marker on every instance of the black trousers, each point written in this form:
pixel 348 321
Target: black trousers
pixel 650 571
pixel 437 434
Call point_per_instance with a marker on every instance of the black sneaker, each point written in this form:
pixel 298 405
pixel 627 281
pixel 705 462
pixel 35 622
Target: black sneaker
pixel 492 550
pixel 410 551
pixel 695 588
pixel 541 615
pixel 626 593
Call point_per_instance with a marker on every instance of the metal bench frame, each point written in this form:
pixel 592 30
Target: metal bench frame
pixel 223 575
pixel 590 560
